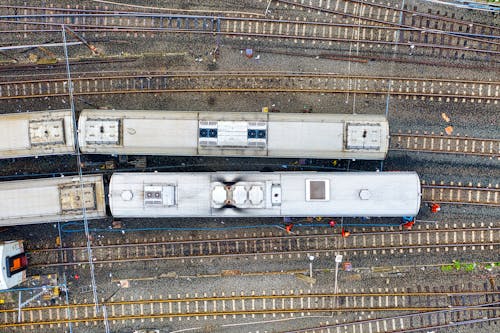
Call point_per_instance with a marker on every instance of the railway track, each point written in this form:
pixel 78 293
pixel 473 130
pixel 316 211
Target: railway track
pixel 414 322
pixel 443 90
pixel 366 34
pixel 386 13
pixel 439 143
pixel 360 243
pixel 458 193
pixel 286 303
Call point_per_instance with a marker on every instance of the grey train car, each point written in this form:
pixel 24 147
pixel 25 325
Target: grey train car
pixel 36 134
pixel 51 200
pixel 280 135
pixel 266 194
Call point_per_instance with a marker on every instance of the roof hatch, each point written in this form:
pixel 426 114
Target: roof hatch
pixel 317 190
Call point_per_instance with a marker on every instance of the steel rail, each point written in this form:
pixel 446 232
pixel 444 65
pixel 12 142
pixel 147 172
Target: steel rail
pixel 233 26
pixel 8 19
pixel 445 294
pixel 270 253
pixel 260 246
pixel 412 13
pixel 116 29
pixel 230 313
pixel 434 143
pixel 264 74
pixel 271 236
pixel 120 309
pixel 153 82
pixel 386 320
pixel 172 11
pixel 409 13
pixel 49 13
pixel 300 26
pixel 460 194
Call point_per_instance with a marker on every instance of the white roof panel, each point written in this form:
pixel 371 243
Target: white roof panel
pixel 391 194
pixel 50 199
pixel 25 202
pixel 193 194
pixel 178 135
pixel 36 133
pixel 309 138
pixel 14 135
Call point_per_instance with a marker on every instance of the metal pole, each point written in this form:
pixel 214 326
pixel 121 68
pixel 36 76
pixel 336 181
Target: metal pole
pixel 387 101
pixel 336 276
pixel 65 282
pixel 105 316
pixel 80 172
pixel 17 47
pixel 311 258
pixel 338 260
pixel 388 98
pixel 19 307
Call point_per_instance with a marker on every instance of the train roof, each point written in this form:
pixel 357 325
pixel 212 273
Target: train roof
pixel 36 133
pixel 264 194
pixel 51 200
pixel 191 133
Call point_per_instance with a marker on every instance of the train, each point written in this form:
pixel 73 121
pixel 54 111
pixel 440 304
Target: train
pixel 36 134
pixel 14 264
pixel 211 194
pixel 265 194
pixel 193 133
pixel 51 199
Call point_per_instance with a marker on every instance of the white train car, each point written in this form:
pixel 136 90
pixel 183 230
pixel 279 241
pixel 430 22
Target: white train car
pixel 278 135
pixel 36 134
pixel 14 264
pixel 51 200
pixel 264 194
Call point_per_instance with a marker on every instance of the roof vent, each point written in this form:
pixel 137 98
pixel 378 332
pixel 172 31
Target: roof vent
pixel 365 194
pixel 159 195
pixel 127 195
pixel 239 195
pixel 219 194
pixel 317 190
pixel 276 195
pixel 256 195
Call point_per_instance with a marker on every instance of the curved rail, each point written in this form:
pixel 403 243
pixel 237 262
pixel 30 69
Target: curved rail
pixel 440 143
pixel 389 37
pixel 415 322
pixel 235 305
pixel 264 82
pixel 364 11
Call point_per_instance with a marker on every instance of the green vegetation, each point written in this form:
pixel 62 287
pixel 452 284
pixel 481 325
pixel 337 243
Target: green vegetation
pixel 468 267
